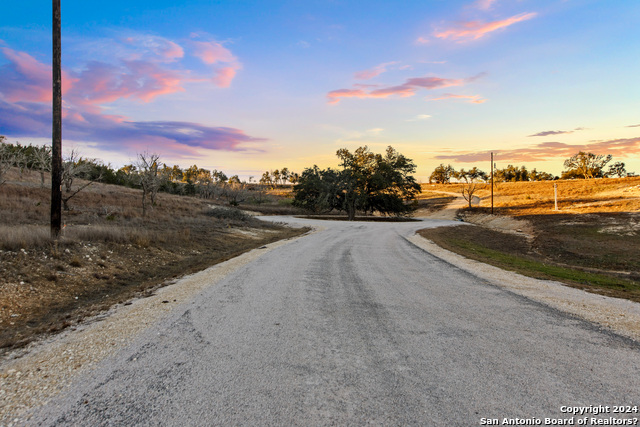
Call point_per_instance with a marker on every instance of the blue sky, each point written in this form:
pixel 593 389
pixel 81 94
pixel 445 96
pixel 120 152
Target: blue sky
pixel 247 86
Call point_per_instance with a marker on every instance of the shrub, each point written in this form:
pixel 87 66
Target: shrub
pixel 227 213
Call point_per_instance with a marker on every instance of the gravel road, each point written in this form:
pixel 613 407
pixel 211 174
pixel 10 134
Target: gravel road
pixel 353 325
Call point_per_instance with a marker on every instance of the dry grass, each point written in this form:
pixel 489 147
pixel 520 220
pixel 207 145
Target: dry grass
pixel 108 252
pixel 591 241
pixel 574 196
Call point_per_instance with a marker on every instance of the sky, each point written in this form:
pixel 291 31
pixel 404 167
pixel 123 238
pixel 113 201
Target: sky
pixel 248 86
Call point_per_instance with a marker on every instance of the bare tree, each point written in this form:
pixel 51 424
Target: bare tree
pixel 469 182
pixel 75 167
pixel 42 161
pixel 148 165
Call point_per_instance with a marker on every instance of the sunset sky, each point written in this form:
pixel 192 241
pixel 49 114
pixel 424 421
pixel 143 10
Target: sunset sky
pixel 247 86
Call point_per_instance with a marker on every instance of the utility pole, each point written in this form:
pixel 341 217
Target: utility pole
pixel 56 140
pixel 492 183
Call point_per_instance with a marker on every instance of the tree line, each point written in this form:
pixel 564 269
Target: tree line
pixel 147 173
pixel 582 165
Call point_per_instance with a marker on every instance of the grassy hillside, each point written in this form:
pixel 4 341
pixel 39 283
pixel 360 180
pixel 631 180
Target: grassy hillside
pixel 108 252
pixel 592 241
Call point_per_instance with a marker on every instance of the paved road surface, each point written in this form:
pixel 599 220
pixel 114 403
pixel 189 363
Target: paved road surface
pixel 353 325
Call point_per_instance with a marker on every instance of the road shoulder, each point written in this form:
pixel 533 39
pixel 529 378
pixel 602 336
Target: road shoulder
pixel 614 314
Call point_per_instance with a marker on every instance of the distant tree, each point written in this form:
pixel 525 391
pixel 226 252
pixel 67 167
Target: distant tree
pixel 618 169
pixel 586 165
pixel 442 174
pixel 284 175
pixel 511 174
pixel 473 174
pixel 276 176
pixel 7 159
pixel 219 176
pixel 294 177
pixel 266 179
pixel 534 175
pixel 190 175
pixel 149 177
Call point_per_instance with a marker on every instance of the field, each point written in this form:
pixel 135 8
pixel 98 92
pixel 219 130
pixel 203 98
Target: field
pixel 591 242
pixel 108 252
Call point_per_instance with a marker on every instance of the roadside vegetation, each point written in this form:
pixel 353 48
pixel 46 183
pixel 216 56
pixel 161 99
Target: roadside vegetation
pixel 590 242
pixel 110 249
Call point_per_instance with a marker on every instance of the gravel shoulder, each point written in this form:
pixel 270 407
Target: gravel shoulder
pixel 618 315
pixel 30 376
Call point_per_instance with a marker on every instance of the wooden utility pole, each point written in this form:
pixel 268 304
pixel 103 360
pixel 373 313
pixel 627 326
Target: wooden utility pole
pixel 491 183
pixel 56 141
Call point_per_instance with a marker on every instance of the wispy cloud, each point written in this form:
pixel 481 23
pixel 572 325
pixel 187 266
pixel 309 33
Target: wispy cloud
pixel 473 30
pixel 419 117
pixel 633 126
pixel 409 88
pixel 25 98
pixel 549 150
pixel 225 64
pixel 474 99
pixel 484 4
pixel 555 132
pixel 373 72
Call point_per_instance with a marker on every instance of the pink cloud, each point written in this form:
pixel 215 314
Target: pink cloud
pixel 212 52
pixel 373 72
pixel 26 79
pixel 474 99
pixel 408 88
pixel 335 95
pixel 224 76
pixel 155 48
pixel 484 4
pixel 101 83
pixel 626 147
pixel 25 103
pixel 473 30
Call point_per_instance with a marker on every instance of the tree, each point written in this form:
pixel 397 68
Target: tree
pixel 7 159
pixel 512 174
pixel 75 167
pixel 284 175
pixel 469 182
pixel 294 177
pixel 149 177
pixel 586 165
pixel 266 179
pixel 442 174
pixel 617 169
pixel 317 190
pixel 368 182
pixel 276 176
pixel 534 175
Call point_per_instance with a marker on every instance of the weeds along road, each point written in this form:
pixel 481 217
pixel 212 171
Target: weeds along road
pixel 354 325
